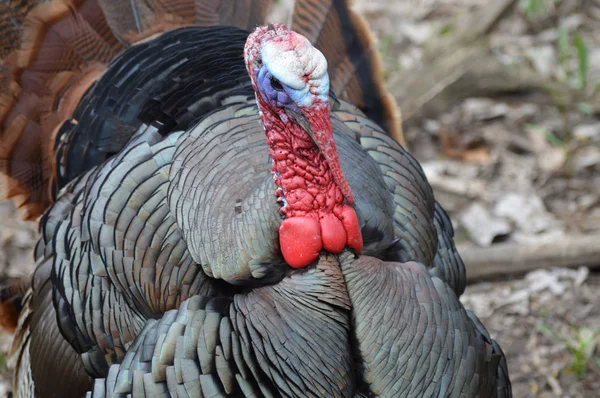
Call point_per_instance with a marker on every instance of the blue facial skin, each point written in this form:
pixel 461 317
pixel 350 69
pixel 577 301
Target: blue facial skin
pixel 276 93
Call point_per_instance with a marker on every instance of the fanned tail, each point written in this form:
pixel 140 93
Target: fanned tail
pixel 135 20
pixel 355 66
pixel 53 51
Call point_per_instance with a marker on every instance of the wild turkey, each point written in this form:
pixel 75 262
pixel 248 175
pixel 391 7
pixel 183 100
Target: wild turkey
pixel 167 266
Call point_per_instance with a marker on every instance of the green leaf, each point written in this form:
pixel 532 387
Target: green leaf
pixel 586 108
pixel 385 44
pixel 532 8
pixel 582 57
pixel 550 137
pixel 446 29
pixel 563 44
pixel 547 330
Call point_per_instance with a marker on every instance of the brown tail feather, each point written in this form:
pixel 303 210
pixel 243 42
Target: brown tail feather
pixel 12 16
pixel 48 49
pixel 52 51
pixel 135 20
pixel 12 292
pixel 355 66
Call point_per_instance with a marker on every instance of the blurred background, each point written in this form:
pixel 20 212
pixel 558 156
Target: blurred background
pixel 501 105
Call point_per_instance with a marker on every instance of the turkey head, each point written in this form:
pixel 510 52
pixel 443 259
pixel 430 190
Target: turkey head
pixel 291 83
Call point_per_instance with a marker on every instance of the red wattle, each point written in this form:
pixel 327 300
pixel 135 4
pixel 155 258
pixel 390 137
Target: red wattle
pixel 300 241
pixel 333 233
pixel 350 221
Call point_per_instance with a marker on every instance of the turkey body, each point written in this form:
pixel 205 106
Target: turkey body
pixel 159 267
pixel 136 252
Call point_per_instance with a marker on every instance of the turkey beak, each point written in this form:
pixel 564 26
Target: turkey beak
pixel 317 123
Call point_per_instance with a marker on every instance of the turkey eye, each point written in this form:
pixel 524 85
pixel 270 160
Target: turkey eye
pixel 276 84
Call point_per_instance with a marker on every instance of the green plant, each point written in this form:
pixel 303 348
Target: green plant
pixel 385 50
pixel 570 48
pixel 573 59
pixel 586 108
pixel 446 29
pixel 535 8
pixel 582 60
pixel 580 345
pixel 532 8
pixel 385 44
pixel 564 48
pixel 548 134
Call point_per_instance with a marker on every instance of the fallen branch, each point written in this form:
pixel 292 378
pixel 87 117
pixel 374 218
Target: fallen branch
pixel 448 59
pixel 462 66
pixel 514 258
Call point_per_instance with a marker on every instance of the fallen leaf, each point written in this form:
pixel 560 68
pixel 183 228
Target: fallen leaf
pixel 451 148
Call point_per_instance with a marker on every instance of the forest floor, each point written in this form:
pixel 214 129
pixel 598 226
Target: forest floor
pixel 509 166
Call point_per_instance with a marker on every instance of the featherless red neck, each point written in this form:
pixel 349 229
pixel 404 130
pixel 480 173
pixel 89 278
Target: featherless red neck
pixel 291 83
